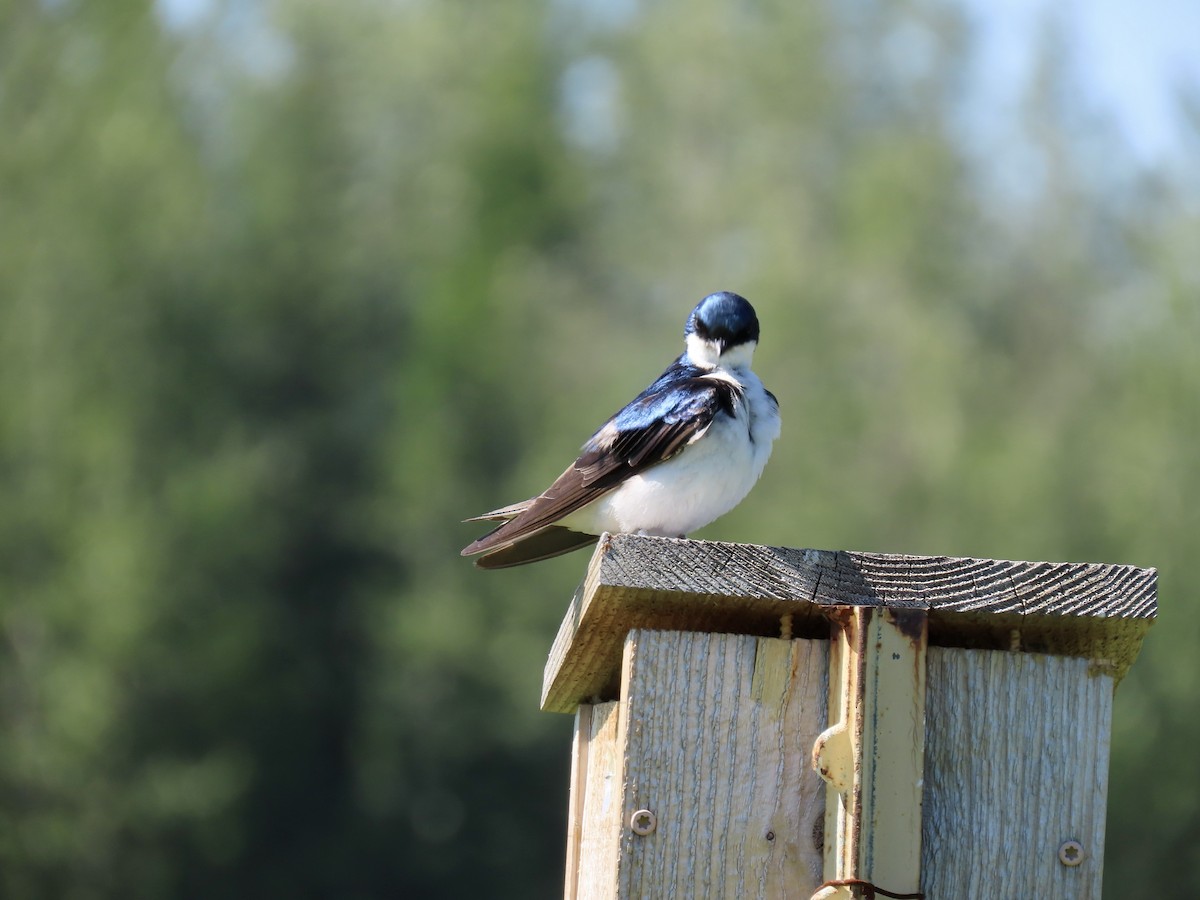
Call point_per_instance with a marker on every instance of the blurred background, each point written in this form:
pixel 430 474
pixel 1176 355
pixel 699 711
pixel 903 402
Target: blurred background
pixel 288 288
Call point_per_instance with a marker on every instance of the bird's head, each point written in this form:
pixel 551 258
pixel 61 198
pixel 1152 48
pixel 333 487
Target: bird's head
pixel 721 331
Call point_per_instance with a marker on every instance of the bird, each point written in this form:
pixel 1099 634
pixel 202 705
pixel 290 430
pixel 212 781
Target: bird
pixel 681 454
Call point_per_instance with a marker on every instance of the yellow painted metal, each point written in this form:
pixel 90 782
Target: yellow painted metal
pixel 834 753
pixel 831 892
pixel 873 755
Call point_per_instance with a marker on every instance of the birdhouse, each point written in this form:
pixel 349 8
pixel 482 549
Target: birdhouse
pixel 762 722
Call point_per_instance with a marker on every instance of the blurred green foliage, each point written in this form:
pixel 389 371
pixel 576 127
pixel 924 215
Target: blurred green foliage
pixel 287 291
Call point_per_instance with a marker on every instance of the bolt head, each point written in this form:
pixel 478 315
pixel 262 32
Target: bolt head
pixel 643 822
pixel 1071 853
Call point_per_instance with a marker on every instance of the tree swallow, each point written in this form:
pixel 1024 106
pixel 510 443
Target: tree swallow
pixel 684 452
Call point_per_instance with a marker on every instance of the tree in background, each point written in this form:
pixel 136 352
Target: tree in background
pixel 290 289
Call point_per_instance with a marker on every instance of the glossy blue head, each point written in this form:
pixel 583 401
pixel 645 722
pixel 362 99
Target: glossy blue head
pixel 722 330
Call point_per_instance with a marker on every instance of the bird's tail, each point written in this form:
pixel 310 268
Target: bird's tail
pixel 504 513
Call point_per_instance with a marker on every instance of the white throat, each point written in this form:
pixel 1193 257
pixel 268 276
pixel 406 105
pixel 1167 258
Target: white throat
pixel 708 355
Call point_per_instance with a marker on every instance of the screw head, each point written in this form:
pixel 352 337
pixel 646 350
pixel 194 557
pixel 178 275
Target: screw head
pixel 1071 853
pixel 643 822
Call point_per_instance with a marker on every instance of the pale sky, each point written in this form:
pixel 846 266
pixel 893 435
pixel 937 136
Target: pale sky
pixel 1130 55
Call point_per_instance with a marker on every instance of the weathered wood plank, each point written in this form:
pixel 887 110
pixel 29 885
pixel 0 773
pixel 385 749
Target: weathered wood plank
pixel 1091 610
pixel 594 820
pixel 717 732
pixel 873 753
pixel 577 796
pixel 1016 764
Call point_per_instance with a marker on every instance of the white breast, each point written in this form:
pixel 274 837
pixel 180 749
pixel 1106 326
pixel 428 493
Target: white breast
pixel 704 481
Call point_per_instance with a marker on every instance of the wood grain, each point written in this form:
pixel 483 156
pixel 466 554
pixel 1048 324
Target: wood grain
pixel 1016 763
pixel 580 747
pixel 873 754
pixel 594 819
pixel 717 731
pixel 1092 610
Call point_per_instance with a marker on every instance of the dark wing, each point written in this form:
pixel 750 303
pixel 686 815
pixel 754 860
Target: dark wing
pixel 550 541
pixel 662 420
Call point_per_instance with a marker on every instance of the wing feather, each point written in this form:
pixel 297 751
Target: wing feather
pixel 548 542
pixel 674 411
